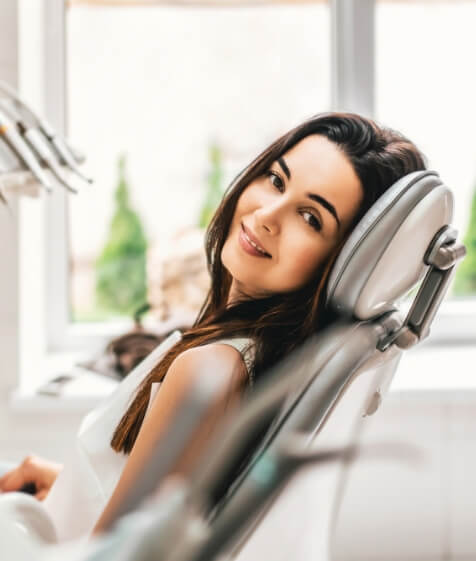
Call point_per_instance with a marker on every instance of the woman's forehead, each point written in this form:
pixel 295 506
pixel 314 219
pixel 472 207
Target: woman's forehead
pixel 318 165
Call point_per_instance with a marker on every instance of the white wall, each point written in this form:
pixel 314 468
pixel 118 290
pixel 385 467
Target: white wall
pixel 407 509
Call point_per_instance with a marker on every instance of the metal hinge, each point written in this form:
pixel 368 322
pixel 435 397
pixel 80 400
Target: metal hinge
pixel 442 256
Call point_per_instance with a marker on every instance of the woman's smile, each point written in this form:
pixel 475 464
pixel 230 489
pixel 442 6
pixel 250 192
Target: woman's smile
pixel 251 244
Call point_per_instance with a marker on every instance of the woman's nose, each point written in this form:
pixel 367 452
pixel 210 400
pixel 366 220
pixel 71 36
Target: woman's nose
pixel 268 217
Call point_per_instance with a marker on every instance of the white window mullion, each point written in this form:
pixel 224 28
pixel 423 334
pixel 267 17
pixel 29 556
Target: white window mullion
pixel 353 60
pixel 9 223
pixel 57 246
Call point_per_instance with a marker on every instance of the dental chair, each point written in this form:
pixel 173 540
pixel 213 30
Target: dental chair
pixel 284 501
pixel 403 239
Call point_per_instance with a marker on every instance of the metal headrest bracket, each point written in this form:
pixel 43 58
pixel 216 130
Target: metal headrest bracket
pixel 442 256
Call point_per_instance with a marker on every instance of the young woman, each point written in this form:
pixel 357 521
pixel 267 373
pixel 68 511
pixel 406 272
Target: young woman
pixel 270 247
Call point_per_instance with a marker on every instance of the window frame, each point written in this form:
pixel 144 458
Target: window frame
pixel 352 88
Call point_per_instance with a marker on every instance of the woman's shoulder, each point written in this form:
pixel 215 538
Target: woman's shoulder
pixel 220 357
pixel 216 354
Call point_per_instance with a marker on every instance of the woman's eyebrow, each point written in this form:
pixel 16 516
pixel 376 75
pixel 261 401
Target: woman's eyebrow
pixel 317 198
pixel 284 167
pixel 326 204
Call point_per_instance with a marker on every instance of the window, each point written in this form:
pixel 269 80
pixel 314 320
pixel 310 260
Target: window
pixel 181 98
pixel 181 68
pixel 426 88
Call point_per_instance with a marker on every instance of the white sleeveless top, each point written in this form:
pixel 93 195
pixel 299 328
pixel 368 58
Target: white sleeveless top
pixel 92 470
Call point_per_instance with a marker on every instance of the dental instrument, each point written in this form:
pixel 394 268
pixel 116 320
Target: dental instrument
pixel 68 157
pixel 37 143
pixel 23 151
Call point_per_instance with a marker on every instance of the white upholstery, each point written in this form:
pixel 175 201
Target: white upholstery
pixel 401 265
pixel 383 257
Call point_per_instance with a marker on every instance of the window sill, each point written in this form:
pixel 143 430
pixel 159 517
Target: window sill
pixel 438 369
pixel 422 371
pixel 457 325
pixel 454 324
pixel 22 402
pixel 84 391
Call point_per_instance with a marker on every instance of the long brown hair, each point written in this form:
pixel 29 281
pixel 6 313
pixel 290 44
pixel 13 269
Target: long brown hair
pixel 279 323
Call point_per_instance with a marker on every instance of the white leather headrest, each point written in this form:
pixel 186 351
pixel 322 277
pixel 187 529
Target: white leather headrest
pixel 383 257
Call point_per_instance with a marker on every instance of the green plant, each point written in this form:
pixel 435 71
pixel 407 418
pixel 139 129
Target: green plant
pixel 214 191
pixel 121 267
pixel 465 280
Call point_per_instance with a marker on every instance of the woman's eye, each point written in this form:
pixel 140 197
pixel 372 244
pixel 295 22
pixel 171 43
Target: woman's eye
pixel 275 180
pixel 312 220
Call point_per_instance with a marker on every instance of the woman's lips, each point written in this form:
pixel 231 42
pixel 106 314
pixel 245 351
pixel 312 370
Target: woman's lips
pixel 248 246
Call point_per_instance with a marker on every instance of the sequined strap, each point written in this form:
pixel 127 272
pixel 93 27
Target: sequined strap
pixel 245 346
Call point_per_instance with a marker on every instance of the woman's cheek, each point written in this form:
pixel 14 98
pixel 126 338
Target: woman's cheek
pixel 304 264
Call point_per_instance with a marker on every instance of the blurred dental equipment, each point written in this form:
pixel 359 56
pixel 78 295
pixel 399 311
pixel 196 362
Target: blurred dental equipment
pixel 14 140
pixel 36 142
pixel 38 145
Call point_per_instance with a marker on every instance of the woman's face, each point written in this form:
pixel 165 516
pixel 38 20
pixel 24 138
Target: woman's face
pixel 287 222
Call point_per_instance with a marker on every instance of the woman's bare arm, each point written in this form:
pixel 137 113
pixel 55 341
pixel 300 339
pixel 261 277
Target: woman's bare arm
pixel 209 360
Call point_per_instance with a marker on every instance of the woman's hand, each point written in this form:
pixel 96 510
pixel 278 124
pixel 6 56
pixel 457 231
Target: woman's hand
pixel 33 470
